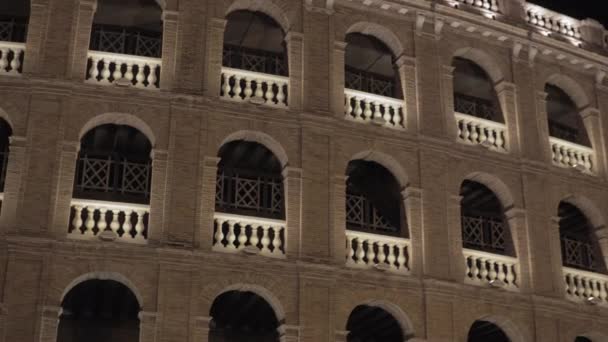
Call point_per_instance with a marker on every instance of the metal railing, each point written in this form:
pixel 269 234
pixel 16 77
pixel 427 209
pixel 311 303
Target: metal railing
pixel 370 82
pixel 484 233
pixel 475 106
pixel 265 62
pixel 579 254
pixel 361 214
pixel 126 41
pixel 13 29
pixel 563 132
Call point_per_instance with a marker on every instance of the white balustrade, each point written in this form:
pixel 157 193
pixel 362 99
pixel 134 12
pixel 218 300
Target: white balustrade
pixel 552 21
pixel 108 221
pixel 476 131
pixel 11 55
pixel 365 250
pixel 115 68
pixel 582 285
pixel 254 87
pixel 235 233
pixel 490 5
pixel 568 154
pixel 372 108
pixel 481 268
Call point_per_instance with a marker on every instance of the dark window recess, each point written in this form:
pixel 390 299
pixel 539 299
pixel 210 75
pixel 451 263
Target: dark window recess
pixel 239 57
pixel 483 233
pixel 5 133
pixel 475 106
pixel 563 132
pixel 362 215
pixel 370 83
pixel 127 41
pixel 13 29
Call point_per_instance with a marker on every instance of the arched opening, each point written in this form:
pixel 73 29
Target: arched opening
pixel 240 316
pixel 5 133
pixel 368 323
pixel 14 18
pixel 484 331
pixel 565 121
pixel 582 339
pixel 370 66
pixel 99 311
pixel 474 92
pixel 580 248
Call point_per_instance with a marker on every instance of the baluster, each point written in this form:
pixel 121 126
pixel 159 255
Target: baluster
pixel 568 284
pixel 484 269
pixel 603 292
pixel 102 224
pixel 580 288
pixel 115 224
pixel 281 94
pixel 347 106
pixel 127 225
pixel 254 239
pixel 94 71
pixel 494 6
pixel 3 59
pixel 474 133
pixel 105 71
pixel 360 253
pixel 397 117
pixel 140 77
pixel 567 154
pixel 258 88
pixel 560 155
pixel 90 221
pixel 482 135
pixel 276 241
pixel 237 87
pixel 269 94
pixel 139 224
pixel 387 116
pixel 77 220
pixel 248 90
pixel 478 3
pixel 226 85
pixel 129 72
pixel 381 255
pixel 468 268
pixel 376 114
pixel 265 240
pixel 391 255
pixel 350 249
pixel 501 271
pixel 492 272
pixel 459 125
pixel 474 268
pixel 152 76
pixel 401 257
pixel 230 237
pixel 596 288
pixel 15 63
pixel 367 113
pixel 358 109
pixel 510 276
pixel 219 234
pixel 491 136
pixel 242 237
pixel 116 75
pixel 370 255
pixel 500 141
pixel 587 162
pixel 466 133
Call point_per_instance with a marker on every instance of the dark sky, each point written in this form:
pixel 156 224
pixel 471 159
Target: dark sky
pixel 580 9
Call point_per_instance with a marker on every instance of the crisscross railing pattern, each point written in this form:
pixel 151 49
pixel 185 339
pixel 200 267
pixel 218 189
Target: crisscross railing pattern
pixel 474 106
pixel 265 62
pixel 13 29
pixel 483 233
pixel 369 82
pixel 361 214
pixel 125 41
pixel 578 254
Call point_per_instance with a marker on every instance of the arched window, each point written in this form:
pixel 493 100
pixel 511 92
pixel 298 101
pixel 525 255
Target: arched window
pixel 582 339
pixel 14 17
pixel 474 92
pixel 580 248
pixel 99 311
pixel 368 323
pixel 565 122
pixel 483 331
pixel 242 316
pixel 5 133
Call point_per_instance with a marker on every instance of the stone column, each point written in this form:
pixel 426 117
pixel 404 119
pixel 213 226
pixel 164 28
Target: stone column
pixel 215 47
pixel 457 263
pixel 529 103
pixel 338 220
pixel 82 36
pixel 49 323
pixel 337 79
pixel 292 181
pixel 518 225
pixel 158 195
pixel 412 201
pixel 296 77
pixel 169 50
pixel 199 327
pixel 147 326
pixel 506 92
pixel 289 333
pixel 65 188
pixel 12 183
pixel 204 233
pixel 543 149
pixel 407 74
pixel 341 335
pixel 447 91
pixel 35 34
pixel 593 125
pixel 554 241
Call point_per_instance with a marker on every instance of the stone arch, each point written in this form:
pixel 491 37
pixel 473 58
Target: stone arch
pixel 386 161
pixel 261 291
pixel 500 189
pixel 4 115
pixel 588 208
pixel 261 138
pixel 570 87
pixel 382 33
pixel 513 331
pixel 104 276
pixel 265 6
pixel 407 327
pixel 119 119
pixel 481 58
pixel 594 336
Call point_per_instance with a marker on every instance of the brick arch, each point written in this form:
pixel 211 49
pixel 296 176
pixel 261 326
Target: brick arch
pixel 261 138
pixel 498 187
pixel 267 7
pixel 119 119
pixel 483 60
pixel 570 87
pixel 259 290
pixel 388 162
pixel 405 323
pixel 594 336
pixel 118 277
pixel 512 330
pixel 588 208
pixel 380 32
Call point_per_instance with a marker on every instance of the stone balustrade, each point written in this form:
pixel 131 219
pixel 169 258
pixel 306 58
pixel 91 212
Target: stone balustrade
pixel 584 285
pixel 476 131
pixel 371 108
pixel 482 268
pixel 255 235
pixel 365 250
pixel 103 220
pixel 11 57
pixel 490 5
pixel 568 154
pixel 254 87
pixel 552 21
pixel 124 70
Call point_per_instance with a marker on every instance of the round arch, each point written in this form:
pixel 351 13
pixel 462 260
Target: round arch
pixel 119 119
pixel 4 116
pixel 407 328
pixel 267 7
pixel 261 291
pixel 594 336
pixel 386 161
pixel 513 332
pixel 588 208
pixel 484 61
pixel 500 189
pixel 380 32
pixel 104 276
pixel 260 138
pixel 570 87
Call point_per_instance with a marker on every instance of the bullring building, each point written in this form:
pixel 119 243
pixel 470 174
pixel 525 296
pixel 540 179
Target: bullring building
pixel 302 171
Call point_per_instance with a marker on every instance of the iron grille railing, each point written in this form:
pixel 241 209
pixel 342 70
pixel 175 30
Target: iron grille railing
pixel 266 62
pixel 563 132
pixel 3 165
pixel 13 29
pixel 484 233
pixel 113 177
pixel 126 41
pixel 369 82
pixel 475 106
pixel 362 215
pixel 243 192
pixel 579 254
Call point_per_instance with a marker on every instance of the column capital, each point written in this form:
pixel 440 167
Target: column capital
pixel 294 36
pixel 158 154
pixel 292 172
pixel 341 335
pixel 503 86
pixel 88 4
pixel 201 321
pixel 590 112
pixel 17 141
pixel 541 95
pixel 411 192
pixel 170 15
pixel 287 333
pixel 515 212
pixel 70 146
pixel 404 60
pixel 148 316
pixel 340 179
pixel 218 23
pixel 554 220
pixel 340 46
pixel 209 161
pixel 51 311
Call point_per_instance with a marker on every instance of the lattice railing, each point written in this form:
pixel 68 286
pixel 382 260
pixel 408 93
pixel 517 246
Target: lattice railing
pixel 127 42
pixel 369 82
pixel 371 108
pixel 126 70
pixel 362 214
pixel 484 233
pixel 264 62
pixel 563 132
pixel 583 285
pixel 234 233
pixel 13 29
pixel 474 106
pixel 368 250
pixel 482 268
pixel 111 176
pixel 579 254
pixel 568 154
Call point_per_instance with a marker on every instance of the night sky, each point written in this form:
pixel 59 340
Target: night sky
pixel 580 9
